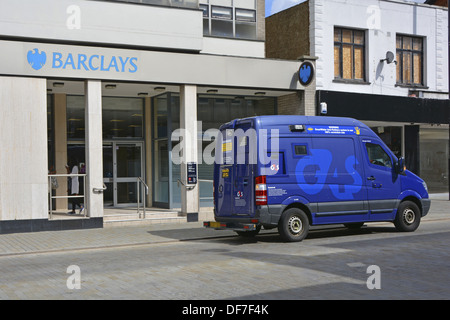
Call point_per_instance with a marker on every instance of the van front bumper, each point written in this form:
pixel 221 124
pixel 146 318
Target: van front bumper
pixel 426 204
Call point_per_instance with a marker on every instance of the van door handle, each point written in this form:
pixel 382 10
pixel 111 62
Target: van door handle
pixel 245 182
pixel 371 178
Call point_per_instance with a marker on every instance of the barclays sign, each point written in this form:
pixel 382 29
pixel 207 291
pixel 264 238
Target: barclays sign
pixel 82 61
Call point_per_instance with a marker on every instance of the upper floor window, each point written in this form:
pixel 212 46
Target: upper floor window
pixel 349 54
pixel 229 22
pixel 409 60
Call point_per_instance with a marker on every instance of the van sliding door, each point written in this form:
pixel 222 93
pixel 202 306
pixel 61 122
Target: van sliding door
pixel 339 173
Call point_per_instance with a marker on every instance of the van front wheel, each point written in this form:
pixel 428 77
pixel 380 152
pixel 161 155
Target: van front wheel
pixel 293 225
pixel 408 217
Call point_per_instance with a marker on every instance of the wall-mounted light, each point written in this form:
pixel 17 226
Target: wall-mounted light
pixel 212 91
pixel 142 94
pixel 260 93
pixel 323 108
pixel 110 86
pixel 160 89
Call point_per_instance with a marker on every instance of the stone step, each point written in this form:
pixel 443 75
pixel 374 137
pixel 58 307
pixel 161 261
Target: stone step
pixel 116 217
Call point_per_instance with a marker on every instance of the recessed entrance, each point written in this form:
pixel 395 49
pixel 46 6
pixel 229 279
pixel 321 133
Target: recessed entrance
pixel 122 167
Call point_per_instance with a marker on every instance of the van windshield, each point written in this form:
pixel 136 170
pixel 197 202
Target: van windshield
pixel 378 156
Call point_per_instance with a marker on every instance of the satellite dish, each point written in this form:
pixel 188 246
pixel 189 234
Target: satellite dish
pixel 389 57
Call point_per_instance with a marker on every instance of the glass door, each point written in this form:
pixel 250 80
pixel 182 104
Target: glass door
pixel 122 166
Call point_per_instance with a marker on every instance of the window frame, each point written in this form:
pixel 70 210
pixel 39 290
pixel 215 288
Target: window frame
pixel 399 58
pixel 237 23
pixel 340 43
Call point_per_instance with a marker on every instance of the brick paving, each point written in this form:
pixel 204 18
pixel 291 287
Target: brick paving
pixel 164 262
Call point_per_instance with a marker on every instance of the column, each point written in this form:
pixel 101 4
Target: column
pixel 60 114
pixel 94 148
pixel 148 153
pixel 23 154
pixel 188 122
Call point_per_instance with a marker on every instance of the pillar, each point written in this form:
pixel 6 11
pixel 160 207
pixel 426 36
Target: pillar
pixel 23 155
pixel 188 122
pixel 94 148
pixel 148 153
pixel 60 112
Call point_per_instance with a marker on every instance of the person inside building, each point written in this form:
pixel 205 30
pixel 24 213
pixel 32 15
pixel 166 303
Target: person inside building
pixel 74 186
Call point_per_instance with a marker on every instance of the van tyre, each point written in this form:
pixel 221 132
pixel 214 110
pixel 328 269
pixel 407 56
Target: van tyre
pixel 293 225
pixel 408 217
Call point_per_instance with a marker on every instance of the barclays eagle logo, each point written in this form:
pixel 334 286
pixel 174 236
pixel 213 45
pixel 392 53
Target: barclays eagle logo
pixel 35 59
pixel 305 73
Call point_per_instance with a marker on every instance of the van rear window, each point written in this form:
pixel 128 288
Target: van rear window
pixel 300 150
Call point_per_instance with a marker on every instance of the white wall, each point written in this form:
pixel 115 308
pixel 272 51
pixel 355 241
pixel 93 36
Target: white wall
pixel 233 47
pixel 382 20
pixel 23 153
pixel 103 22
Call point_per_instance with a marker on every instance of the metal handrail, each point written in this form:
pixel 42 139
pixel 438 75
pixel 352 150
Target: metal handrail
pixel 139 181
pixel 51 196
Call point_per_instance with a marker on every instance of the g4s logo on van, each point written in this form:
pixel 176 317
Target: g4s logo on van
pixel 313 176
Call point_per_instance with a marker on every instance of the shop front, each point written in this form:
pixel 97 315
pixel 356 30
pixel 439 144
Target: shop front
pixel 416 128
pixel 113 112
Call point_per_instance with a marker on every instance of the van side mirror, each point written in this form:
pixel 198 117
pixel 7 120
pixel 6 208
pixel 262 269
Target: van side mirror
pixel 400 167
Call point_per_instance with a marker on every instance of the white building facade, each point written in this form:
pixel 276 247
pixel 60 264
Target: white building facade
pixel 384 62
pixel 104 84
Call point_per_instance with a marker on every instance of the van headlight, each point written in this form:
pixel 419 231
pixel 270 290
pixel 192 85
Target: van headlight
pixel 425 185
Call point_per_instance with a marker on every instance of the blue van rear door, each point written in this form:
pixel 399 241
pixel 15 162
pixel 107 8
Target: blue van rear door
pixel 224 172
pixel 234 187
pixel 243 187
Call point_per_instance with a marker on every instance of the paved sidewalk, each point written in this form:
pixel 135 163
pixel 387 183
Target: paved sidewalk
pixel 50 241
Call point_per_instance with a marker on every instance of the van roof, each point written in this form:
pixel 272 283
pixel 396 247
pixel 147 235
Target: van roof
pixel 287 120
pixel 272 120
pixel 311 120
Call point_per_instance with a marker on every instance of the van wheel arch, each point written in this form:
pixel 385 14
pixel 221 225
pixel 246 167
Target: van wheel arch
pixel 302 207
pixel 413 199
pixel 293 225
pixel 408 216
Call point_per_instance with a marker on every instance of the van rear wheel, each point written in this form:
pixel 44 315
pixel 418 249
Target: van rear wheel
pixel 293 225
pixel 408 217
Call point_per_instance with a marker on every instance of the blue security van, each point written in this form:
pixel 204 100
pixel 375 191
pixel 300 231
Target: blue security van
pixel 293 172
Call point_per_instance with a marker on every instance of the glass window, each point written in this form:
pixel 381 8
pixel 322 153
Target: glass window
pixel 122 117
pixel 245 15
pixel 245 31
pixel 378 156
pixel 300 150
pixel 75 117
pixel 349 54
pixel 229 22
pixel 222 28
pixel 221 13
pixel 409 60
pixel 434 155
pixel 204 8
